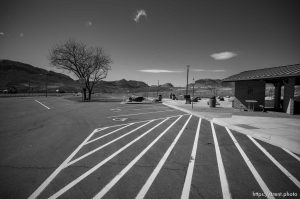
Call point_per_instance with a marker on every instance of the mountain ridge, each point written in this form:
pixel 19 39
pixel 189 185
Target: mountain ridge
pixel 22 77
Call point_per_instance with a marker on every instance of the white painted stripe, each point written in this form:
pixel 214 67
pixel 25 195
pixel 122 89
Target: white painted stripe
pixel 143 121
pixel 38 191
pixel 142 105
pixel 292 154
pixel 254 172
pixel 77 180
pixel 42 104
pixel 189 175
pixel 107 134
pixel 141 113
pixel 148 108
pixel 286 172
pixel 131 164
pixel 155 172
pixel 108 143
pixel 222 174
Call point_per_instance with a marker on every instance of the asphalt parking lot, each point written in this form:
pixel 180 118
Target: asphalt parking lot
pixel 56 148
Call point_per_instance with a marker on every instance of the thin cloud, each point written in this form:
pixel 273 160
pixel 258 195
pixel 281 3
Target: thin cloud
pixel 204 70
pixel 159 71
pixel 2 33
pixel 88 23
pixel 139 14
pixel 21 34
pixel 223 55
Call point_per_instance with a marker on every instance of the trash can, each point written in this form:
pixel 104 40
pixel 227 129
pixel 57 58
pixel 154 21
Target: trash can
pixel 212 102
pixel 187 99
pixel 159 98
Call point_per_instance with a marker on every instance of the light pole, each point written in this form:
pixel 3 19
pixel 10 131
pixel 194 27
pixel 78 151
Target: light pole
pixel 187 79
pixel 193 92
pixel 157 87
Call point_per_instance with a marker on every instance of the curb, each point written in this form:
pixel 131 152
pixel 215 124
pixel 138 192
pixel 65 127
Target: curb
pixel 263 137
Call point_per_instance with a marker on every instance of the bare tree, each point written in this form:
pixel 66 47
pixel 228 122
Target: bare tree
pixel 87 63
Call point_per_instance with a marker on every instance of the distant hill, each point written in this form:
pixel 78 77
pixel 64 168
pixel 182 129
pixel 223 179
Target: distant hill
pixel 212 83
pixel 21 77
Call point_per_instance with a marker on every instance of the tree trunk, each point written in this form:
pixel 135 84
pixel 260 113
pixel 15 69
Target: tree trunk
pixel 84 94
pixel 90 95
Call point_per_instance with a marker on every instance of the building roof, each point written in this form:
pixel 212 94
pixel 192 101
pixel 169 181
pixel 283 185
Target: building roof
pixel 266 73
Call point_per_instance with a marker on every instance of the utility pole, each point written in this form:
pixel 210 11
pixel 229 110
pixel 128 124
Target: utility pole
pixel 187 79
pixel 157 87
pixel 193 92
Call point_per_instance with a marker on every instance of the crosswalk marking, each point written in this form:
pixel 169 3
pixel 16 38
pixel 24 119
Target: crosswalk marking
pixel 107 134
pixel 286 172
pixel 83 176
pixel 130 165
pixel 186 182
pixel 153 175
pixel 222 174
pixel 105 145
pixel 189 175
pixel 256 175
pixel 297 158
pixel 141 113
pixel 38 191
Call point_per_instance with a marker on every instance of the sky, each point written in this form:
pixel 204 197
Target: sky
pixel 155 40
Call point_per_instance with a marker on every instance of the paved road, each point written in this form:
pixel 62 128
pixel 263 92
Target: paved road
pixel 58 148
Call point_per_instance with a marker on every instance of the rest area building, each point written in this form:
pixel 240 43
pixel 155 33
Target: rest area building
pixel 250 87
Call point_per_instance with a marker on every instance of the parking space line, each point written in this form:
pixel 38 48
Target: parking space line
pixel 222 174
pixel 286 172
pixel 141 113
pixel 132 163
pixel 292 154
pixel 38 191
pixel 155 172
pixel 143 121
pixel 254 172
pixel 42 104
pixel 108 143
pixel 189 174
pixel 147 108
pixel 87 173
pixel 107 134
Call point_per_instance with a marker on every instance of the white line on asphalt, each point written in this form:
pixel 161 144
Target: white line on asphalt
pixel 254 172
pixel 292 154
pixel 155 172
pixel 141 113
pixel 222 174
pixel 143 105
pixel 77 180
pixel 286 172
pixel 140 121
pixel 148 108
pixel 131 164
pixel 108 143
pixel 189 174
pixel 42 104
pixel 38 191
pixel 107 134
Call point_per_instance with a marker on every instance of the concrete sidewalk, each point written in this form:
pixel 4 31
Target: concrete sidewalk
pixel 280 131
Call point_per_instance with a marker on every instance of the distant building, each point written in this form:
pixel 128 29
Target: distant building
pixel 251 85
